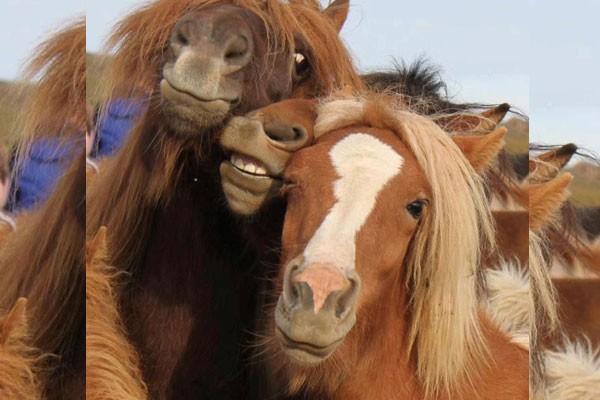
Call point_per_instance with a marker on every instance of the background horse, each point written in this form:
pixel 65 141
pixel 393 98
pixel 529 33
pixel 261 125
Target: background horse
pixel 194 277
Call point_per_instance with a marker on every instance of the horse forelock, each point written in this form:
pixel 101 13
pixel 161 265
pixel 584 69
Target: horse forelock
pixel 443 260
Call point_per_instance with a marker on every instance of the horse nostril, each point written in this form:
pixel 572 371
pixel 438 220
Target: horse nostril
pixel 347 299
pixel 300 133
pixel 182 39
pixel 237 48
pixel 291 292
pixel 285 134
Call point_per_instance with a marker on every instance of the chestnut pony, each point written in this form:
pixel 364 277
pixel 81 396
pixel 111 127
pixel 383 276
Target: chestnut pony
pixel 43 259
pixel 193 276
pixel 360 316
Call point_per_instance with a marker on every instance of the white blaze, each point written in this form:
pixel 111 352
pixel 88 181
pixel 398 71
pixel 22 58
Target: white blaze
pixel 365 165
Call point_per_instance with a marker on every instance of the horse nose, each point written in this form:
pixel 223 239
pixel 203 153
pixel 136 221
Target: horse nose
pixel 290 137
pixel 237 50
pixel 322 288
pixel 218 36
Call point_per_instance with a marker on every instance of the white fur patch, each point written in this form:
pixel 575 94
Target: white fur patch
pixel 573 373
pixel 364 165
pixel 508 300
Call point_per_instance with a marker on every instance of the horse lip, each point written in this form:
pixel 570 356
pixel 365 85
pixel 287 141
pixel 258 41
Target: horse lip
pixel 321 352
pixel 209 104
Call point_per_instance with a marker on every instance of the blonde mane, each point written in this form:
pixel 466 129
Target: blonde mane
pixel 443 271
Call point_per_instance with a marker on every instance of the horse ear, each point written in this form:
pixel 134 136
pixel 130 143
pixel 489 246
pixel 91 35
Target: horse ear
pixel 15 324
pixel 479 150
pixel 482 123
pixel 545 199
pixel 546 166
pixel 97 246
pixel 337 11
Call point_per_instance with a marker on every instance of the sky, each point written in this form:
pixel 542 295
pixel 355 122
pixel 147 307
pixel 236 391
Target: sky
pixel 540 56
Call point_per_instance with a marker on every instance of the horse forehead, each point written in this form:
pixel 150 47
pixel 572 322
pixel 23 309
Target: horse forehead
pixel 364 165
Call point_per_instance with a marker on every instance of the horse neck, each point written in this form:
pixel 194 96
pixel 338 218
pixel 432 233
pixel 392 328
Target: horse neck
pixel 388 320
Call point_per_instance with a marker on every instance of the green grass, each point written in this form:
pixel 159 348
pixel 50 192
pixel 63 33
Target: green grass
pixel 517 137
pixel 11 100
pixel 585 188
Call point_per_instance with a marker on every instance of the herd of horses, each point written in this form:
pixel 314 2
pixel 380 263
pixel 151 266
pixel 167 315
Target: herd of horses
pixel 278 226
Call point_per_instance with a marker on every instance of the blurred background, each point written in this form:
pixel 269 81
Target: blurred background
pixel 541 57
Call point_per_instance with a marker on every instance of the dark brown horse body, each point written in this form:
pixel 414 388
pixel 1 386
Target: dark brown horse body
pixel 194 272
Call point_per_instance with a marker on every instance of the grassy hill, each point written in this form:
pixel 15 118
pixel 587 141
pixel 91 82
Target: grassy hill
pixel 585 188
pixel 95 66
pixel 12 97
pixel 517 137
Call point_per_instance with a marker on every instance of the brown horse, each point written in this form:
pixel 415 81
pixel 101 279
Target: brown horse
pixel 376 173
pixel 112 365
pixel 194 276
pixel 250 142
pixel 570 362
pixel 43 260
pixel 17 357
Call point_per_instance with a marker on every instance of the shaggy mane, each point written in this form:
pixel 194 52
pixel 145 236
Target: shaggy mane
pixel 443 274
pixel 57 70
pixel 112 365
pixel 18 380
pixel 43 259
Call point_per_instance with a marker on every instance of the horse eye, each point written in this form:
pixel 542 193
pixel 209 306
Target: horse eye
pixel 301 65
pixel 415 209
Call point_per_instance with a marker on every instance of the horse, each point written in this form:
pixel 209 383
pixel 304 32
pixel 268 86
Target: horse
pixel 193 276
pixel 43 259
pixel 112 365
pixel 566 350
pixel 17 357
pixel 378 177
pixel 249 141
pixel 572 252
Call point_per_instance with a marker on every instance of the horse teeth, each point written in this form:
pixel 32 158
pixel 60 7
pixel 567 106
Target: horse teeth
pixel 250 167
pixel 237 162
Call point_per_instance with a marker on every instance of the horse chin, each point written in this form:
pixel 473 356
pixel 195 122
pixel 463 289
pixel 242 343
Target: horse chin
pixel 304 353
pixel 189 116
